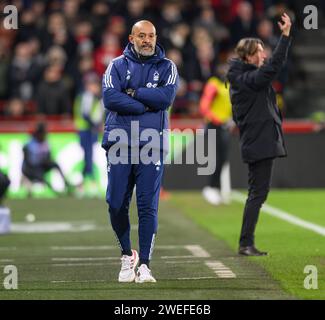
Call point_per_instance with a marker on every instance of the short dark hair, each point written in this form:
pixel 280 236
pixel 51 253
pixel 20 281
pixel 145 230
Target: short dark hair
pixel 247 47
pixel 40 130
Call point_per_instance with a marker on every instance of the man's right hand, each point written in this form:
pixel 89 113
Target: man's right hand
pixel 286 25
pixel 130 92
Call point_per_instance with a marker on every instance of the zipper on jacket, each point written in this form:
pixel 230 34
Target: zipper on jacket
pixel 143 82
pixel 162 121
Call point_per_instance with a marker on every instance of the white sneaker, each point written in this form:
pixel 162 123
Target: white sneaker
pixel 212 195
pixel 144 275
pixel 129 263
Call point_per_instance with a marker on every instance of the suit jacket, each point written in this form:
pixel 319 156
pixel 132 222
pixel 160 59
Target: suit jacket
pixel 254 105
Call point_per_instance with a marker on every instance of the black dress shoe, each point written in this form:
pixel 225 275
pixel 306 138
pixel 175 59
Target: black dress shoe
pixel 251 251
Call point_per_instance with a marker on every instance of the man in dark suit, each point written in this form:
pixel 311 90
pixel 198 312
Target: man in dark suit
pixel 259 121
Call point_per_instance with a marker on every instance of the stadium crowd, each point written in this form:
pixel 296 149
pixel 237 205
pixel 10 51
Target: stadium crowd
pixel 58 43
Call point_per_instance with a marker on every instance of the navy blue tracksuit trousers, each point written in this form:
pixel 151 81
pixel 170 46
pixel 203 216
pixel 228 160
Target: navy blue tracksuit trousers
pixel 121 181
pixel 87 140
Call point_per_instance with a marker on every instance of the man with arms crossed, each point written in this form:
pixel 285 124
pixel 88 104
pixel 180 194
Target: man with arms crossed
pixel 138 88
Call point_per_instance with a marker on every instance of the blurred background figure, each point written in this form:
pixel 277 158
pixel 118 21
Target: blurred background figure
pixel 109 49
pixel 15 108
pixel 215 106
pixel 52 96
pixel 24 72
pixel 88 118
pixel 78 36
pixel 37 159
pixel 4 67
pixel 4 211
pixel 244 25
pixel 180 105
pixel 4 185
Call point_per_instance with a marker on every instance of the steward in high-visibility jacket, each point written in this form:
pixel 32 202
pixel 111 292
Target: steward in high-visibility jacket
pixel 215 106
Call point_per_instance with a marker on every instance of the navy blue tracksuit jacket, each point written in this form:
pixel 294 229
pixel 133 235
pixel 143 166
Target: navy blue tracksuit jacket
pixel 155 81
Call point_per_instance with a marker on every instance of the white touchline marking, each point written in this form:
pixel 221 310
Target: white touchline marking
pixel 69 281
pixel 178 257
pixel 220 269
pixel 86 259
pixel 168 247
pixel 197 251
pixel 186 261
pixel 196 278
pixel 80 248
pixel 238 196
pixel 83 264
pixel 53 227
pixel 6 260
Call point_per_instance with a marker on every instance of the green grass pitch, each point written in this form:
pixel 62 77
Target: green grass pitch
pixel 70 252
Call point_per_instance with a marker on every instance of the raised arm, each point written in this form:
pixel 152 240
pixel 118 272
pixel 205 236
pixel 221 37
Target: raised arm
pixel 264 75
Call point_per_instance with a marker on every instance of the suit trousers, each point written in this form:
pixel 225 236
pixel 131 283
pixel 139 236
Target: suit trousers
pixel 259 182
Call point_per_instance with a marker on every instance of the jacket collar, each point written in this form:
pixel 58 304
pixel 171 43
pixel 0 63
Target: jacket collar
pixel 237 66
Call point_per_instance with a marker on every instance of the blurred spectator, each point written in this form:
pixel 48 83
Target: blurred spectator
pixel 265 33
pixel 193 99
pixel 176 56
pixel 57 33
pixel 181 102
pixel 15 108
pixel 109 50
pixel 4 185
pixel 27 26
pixel 83 36
pixel 226 10
pixel 117 27
pixel 170 15
pixel 37 158
pixel 100 12
pixel 135 11
pixel 24 72
pixel 180 105
pixel 244 24
pixel 7 36
pixel 85 66
pixel 70 11
pixel 38 8
pixel 217 31
pixel 56 56
pixel 35 48
pixel 200 60
pixel 52 93
pixel 80 36
pixel 178 37
pixel 88 116
pixel 4 67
